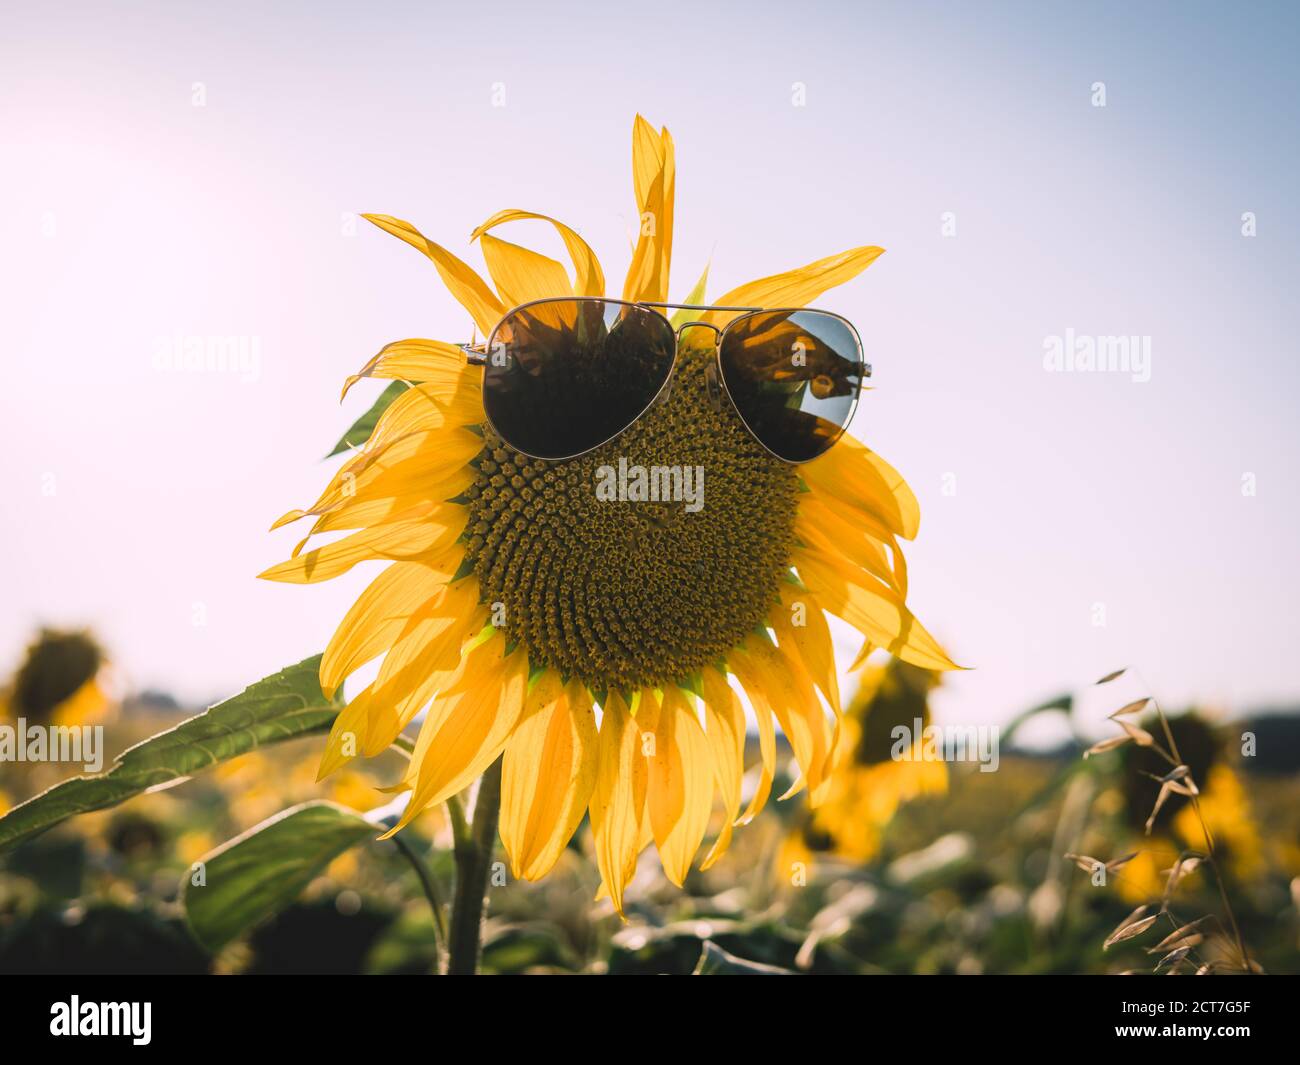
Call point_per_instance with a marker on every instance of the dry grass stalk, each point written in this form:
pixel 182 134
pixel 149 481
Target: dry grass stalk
pixel 1180 943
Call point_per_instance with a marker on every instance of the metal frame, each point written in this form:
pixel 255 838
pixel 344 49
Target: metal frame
pixel 478 356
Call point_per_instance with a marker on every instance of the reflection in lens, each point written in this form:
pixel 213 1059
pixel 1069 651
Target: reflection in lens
pixel 564 376
pixel 794 377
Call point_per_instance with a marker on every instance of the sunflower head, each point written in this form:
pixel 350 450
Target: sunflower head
pixel 641 593
pixel 604 650
pixel 57 681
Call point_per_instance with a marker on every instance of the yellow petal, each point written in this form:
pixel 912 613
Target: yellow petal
pixel 654 176
pixel 588 278
pixel 618 799
pixel 679 790
pixel 425 656
pixel 854 474
pixel 860 659
pixel 724 728
pixel 823 531
pixel 345 738
pixel 427 530
pixel 773 680
pixel 468 728
pixel 767 755
pixel 548 775
pixel 796 288
pixel 801 628
pixel 522 276
pixel 429 362
pixel 421 409
pixel 391 502
pixel 465 285
pixel 872 608
pixel 421 462
pixel 375 620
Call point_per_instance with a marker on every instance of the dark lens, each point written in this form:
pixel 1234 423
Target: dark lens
pixel 794 377
pixel 564 376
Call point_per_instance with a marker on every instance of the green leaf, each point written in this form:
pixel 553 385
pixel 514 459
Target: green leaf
pixel 714 961
pixel 255 875
pixel 281 707
pixel 365 425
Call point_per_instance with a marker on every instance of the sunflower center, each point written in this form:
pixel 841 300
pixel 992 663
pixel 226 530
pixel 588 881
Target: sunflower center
pixel 603 578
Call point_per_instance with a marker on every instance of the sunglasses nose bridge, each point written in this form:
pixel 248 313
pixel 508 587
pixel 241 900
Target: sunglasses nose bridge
pixel 711 374
pixel 717 333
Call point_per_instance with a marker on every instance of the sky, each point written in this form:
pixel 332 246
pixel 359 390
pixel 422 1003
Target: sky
pixel 1039 175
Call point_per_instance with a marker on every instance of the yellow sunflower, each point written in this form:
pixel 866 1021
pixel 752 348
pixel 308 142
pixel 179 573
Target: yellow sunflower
pixel 871 783
pixel 516 604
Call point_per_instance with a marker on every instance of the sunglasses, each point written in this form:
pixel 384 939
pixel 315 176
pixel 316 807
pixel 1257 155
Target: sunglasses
pixel 563 376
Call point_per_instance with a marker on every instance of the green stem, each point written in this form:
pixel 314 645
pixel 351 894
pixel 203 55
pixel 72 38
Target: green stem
pixel 429 886
pixel 473 851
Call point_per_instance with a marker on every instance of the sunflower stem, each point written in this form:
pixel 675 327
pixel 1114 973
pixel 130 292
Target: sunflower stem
pixel 473 851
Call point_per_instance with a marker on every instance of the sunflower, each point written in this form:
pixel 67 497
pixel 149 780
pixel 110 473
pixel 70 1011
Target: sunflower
pixel 515 605
pixel 870 785
pixel 1176 826
pixel 61 681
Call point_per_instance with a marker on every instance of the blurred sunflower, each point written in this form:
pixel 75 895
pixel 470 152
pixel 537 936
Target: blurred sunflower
pixel 870 784
pixel 59 681
pixel 1175 827
pixel 516 603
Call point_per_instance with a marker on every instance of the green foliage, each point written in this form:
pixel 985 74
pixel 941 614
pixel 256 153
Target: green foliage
pixel 255 875
pixel 284 706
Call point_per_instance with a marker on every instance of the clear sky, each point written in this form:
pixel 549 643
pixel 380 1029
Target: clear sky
pixel 965 139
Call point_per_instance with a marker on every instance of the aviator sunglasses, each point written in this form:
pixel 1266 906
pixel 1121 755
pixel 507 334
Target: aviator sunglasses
pixel 563 376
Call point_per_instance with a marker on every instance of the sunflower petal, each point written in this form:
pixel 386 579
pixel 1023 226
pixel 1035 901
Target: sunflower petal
pixel 423 409
pixel 766 749
pixel 872 608
pixel 588 278
pixel 797 288
pixel 679 791
pixel 618 799
pixel 855 475
pixel 376 619
pixel 420 463
pixel 654 176
pixel 801 630
pixel 430 528
pixel 345 738
pixel 522 276
pixel 775 681
pixel 548 775
pixel 424 657
pixel 724 728
pixel 821 529
pixel 382 505
pixel 465 285
pixel 433 363
pixel 470 728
